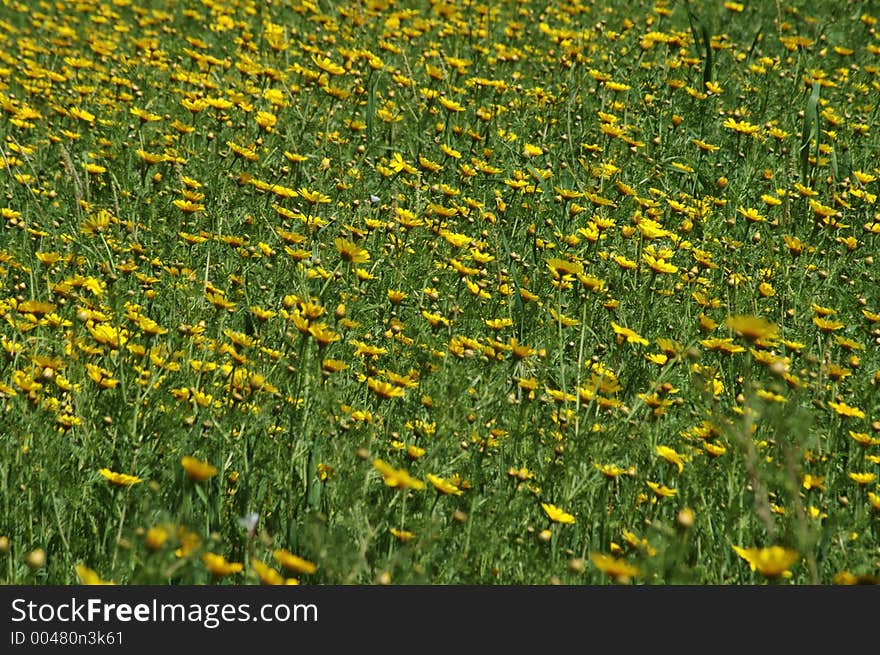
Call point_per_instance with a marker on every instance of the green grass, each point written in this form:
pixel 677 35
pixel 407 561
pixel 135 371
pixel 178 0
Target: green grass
pixel 555 254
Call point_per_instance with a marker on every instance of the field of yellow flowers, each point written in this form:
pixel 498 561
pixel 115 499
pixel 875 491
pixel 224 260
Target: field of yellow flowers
pixel 386 291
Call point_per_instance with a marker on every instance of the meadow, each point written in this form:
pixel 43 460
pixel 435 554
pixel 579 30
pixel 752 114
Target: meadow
pixel 448 292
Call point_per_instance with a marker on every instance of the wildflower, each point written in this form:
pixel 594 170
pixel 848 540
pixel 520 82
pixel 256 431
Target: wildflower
pixel 402 535
pixel 752 328
pixel 156 537
pixel 396 478
pixel 827 325
pixel 671 456
pixel 198 470
pixel 415 452
pixel 618 569
pixel 327 65
pixel 630 336
pixel 189 542
pixel 119 479
pixel 384 389
pixel 443 486
pixel 661 490
pixel 266 120
pixel 862 479
pixel 243 151
pixel 107 335
pixel 368 350
pixel 267 575
pixel 741 127
pixel 436 320
pixel 864 438
pixel 751 214
pixel 846 410
pixel 101 376
pixel 726 346
pixel 556 514
pixel 715 450
pixel 88 576
pixel 658 264
pixel 770 562
pixel 351 252
pixel 451 105
pixel 293 562
pixel 313 197
pixel 652 229
pixel 813 482
pixel 333 365
pixel 612 471
pixel 219 567
pixel 705 147
pixel 398 164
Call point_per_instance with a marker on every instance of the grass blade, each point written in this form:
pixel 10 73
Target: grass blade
pixel 703 39
pixel 810 132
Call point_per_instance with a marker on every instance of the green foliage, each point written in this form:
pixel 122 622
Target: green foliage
pixel 447 293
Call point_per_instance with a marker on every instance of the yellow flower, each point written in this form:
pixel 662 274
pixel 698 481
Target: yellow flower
pixel 323 334
pixel 187 206
pixel 89 577
pixel 752 327
pixel 751 214
pixel 327 65
pixel 443 486
pixel 189 542
pixel 617 569
pixel 556 514
pixel 625 333
pixel 293 562
pixel 661 490
pixel 219 567
pixel 267 574
pixel 770 562
pixel 862 478
pixel 101 376
pixel 156 537
pixel 243 151
pixel 671 456
pixel 864 438
pixel 741 127
pixel 715 450
pixel 396 478
pixel 451 105
pixel 658 264
pixel 107 335
pixel 198 470
pixel 611 471
pixel 827 325
pixel 313 197
pixel 384 389
pixel 814 482
pixel 402 535
pixel 706 147
pixel 846 410
pixel 119 479
pixel 266 120
pixel 351 252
